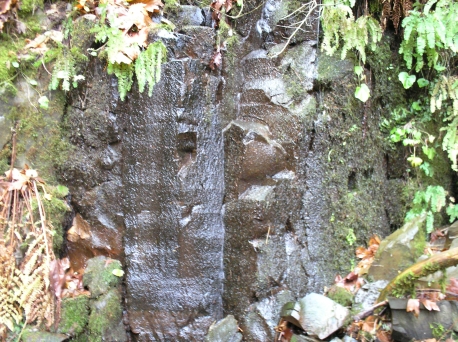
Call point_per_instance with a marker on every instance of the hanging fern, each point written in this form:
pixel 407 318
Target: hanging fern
pixel 339 25
pixel 148 66
pixel 428 33
pixel 65 68
pixel 124 73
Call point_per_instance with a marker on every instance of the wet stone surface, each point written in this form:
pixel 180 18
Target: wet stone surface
pixel 227 187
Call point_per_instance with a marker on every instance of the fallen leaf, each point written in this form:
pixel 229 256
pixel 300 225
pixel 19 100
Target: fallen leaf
pixel 430 305
pixel 452 287
pixel 383 336
pixel 370 324
pixel 150 5
pixel 413 305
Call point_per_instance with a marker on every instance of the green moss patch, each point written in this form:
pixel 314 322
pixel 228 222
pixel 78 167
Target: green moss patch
pixel 74 316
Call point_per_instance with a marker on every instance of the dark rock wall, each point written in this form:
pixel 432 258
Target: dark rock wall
pixel 173 189
pixel 229 191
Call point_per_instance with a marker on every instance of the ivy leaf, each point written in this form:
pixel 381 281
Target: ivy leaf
pixel 43 102
pixel 362 92
pixel 429 151
pixel 117 272
pixel 358 70
pixel 406 79
pixel 422 82
pixel 416 105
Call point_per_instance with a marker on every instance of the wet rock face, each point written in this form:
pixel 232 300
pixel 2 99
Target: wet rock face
pixel 229 188
pixel 172 174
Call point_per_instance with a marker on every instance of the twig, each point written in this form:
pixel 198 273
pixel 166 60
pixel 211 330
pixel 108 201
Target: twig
pixel 369 311
pixel 312 6
pixel 13 151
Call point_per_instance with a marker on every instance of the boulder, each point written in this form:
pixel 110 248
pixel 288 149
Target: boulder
pixel 399 250
pixel 316 314
pixel 225 330
pixel 407 327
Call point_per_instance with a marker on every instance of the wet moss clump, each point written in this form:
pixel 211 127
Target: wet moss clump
pixel 74 316
pixel 106 313
pixel 341 295
pixel 99 277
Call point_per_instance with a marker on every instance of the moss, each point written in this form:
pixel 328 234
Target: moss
pixel 340 295
pixel 41 141
pixel 74 316
pixel 8 56
pixel 29 6
pixel 106 314
pixel 99 275
pixel 56 209
pixel 406 285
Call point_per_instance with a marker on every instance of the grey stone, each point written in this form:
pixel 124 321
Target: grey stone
pixel 262 317
pixel 321 316
pixel 367 295
pixel 407 327
pixel 186 15
pixel 225 330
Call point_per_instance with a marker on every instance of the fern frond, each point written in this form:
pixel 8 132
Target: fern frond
pixel 148 66
pixel 124 73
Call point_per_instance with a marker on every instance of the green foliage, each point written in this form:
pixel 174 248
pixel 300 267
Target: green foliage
pixel 125 56
pixel 351 237
pixel 124 73
pixel 430 32
pixel 407 80
pixel 148 66
pixel 437 330
pixel 29 6
pixel 342 30
pixel 65 68
pixel 430 201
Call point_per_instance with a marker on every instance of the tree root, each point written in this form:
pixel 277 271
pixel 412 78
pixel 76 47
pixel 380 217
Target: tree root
pixel 421 269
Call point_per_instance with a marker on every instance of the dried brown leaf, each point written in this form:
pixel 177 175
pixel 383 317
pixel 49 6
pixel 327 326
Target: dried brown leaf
pixel 413 305
pixel 429 304
pixel 370 324
pixel 383 336
pixel 453 286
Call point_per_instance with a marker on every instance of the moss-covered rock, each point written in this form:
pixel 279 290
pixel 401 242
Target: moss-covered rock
pixel 30 335
pixel 99 277
pixel 340 295
pixel 74 315
pixel 105 321
pixel 399 250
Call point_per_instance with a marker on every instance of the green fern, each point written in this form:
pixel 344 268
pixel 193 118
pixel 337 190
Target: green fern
pixel 148 66
pixel 124 73
pixel 429 32
pixel 65 68
pixel 430 201
pixel 339 25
